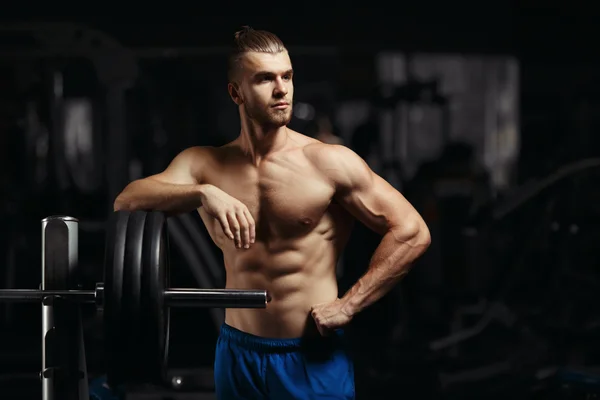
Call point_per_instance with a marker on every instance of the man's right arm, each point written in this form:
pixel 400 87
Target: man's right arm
pixel 177 189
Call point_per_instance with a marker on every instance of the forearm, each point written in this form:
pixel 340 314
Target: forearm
pixel 151 194
pixel 390 262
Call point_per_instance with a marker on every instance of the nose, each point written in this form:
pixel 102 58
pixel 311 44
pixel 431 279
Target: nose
pixel 281 88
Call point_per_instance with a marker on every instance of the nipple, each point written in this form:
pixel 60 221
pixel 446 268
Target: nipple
pixel 306 221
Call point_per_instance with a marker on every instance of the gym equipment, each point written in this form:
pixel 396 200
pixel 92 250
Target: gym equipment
pixel 116 69
pixel 197 253
pixel 541 320
pixel 172 297
pixel 534 188
pixel 498 212
pixel 135 298
pixel 397 140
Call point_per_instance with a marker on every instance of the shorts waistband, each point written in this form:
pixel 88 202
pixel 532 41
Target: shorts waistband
pixel 259 343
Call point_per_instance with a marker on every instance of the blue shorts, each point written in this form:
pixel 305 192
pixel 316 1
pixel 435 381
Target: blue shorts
pixel 252 367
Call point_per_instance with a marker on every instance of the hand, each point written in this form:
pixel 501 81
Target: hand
pixel 232 214
pixel 330 316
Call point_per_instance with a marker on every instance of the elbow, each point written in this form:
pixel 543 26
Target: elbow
pixel 122 204
pixel 415 233
pixel 124 201
pixel 423 235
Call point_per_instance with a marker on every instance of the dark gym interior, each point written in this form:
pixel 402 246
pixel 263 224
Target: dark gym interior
pixel 484 117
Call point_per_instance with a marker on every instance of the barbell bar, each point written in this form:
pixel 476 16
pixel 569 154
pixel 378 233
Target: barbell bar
pixel 173 297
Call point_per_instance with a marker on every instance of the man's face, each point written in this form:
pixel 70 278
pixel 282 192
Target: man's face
pixel 266 88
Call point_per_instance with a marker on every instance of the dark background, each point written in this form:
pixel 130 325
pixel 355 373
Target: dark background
pixel 162 88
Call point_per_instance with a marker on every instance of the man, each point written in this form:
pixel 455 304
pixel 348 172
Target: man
pixel 279 205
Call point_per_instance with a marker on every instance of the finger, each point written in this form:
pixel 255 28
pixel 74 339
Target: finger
pixel 251 225
pixel 235 228
pixel 222 218
pixel 317 322
pixel 323 330
pixel 245 233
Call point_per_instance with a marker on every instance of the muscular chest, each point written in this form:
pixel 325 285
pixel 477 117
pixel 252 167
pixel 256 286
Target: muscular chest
pixel 285 199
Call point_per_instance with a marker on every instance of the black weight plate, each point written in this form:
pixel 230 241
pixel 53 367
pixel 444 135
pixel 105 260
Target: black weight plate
pixel 155 280
pixel 114 258
pixel 131 331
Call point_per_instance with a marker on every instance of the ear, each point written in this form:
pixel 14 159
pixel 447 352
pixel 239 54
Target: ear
pixel 235 93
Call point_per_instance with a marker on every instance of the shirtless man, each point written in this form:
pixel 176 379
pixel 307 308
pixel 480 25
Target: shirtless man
pixel 280 205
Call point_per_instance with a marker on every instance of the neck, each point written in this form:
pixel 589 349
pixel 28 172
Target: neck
pixel 259 141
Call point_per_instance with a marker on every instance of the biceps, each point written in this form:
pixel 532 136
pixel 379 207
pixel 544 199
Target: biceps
pixel 378 205
pixel 174 176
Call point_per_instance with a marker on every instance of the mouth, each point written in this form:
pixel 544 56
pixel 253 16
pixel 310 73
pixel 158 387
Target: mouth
pixel 282 105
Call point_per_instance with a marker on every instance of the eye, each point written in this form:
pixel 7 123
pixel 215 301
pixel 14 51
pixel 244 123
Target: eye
pixel 259 78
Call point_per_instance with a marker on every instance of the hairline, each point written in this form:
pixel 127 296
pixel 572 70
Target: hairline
pixel 237 58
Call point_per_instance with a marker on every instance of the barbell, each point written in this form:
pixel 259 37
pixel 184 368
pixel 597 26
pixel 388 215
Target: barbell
pixel 135 297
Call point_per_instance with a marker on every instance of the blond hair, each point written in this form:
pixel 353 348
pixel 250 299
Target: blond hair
pixel 248 40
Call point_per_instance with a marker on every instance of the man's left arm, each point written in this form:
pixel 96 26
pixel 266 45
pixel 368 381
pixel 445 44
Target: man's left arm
pixel 378 205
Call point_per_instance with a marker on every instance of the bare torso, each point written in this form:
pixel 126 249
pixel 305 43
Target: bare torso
pixel 300 233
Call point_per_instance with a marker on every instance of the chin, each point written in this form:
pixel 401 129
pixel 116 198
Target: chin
pixel 284 122
pixel 279 121
pixel 285 118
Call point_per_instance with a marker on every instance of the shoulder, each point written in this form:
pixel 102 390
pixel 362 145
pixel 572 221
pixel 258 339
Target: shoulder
pixel 338 163
pixel 196 160
pixel 194 152
pixel 194 155
pixel 204 154
pixel 327 154
pixel 326 151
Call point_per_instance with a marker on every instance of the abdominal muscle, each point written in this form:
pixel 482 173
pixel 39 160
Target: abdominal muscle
pixel 297 274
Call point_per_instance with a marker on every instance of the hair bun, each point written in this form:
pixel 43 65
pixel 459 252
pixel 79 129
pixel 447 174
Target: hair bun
pixel 245 29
